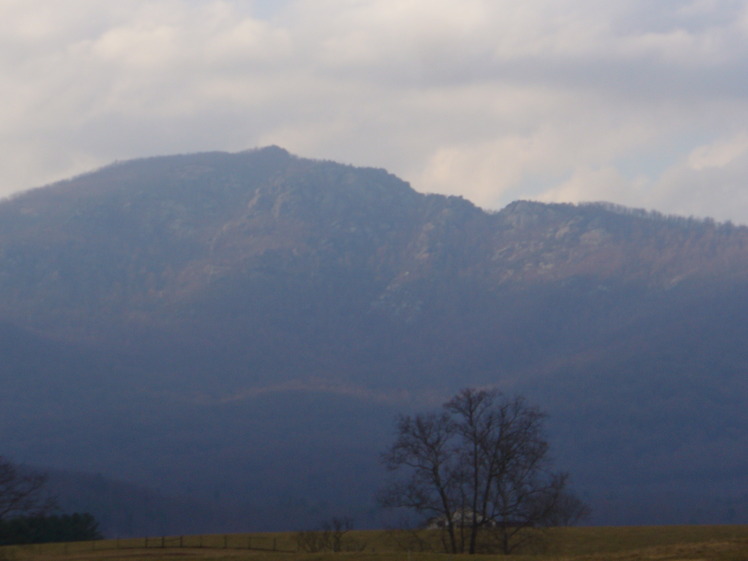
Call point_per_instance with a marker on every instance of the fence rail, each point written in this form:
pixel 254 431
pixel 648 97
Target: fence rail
pixel 217 541
pixel 224 541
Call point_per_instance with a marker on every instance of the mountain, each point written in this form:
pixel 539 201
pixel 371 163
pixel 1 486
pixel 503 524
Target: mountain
pixel 240 330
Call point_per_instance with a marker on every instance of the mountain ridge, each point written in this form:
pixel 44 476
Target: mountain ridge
pixel 176 315
pixel 273 196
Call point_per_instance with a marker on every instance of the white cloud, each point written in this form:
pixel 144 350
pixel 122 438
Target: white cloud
pixel 632 101
pixel 710 181
pixel 719 154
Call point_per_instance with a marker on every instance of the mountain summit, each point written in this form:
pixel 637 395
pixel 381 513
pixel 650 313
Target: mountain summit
pixel 135 237
pixel 194 322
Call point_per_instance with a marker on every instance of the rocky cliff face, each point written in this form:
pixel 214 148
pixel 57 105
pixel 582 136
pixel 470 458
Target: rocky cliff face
pixel 138 234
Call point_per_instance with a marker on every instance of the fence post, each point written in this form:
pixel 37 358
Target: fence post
pixel 274 544
pixel 225 541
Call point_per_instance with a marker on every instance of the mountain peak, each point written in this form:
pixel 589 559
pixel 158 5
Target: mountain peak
pixel 168 228
pixel 255 297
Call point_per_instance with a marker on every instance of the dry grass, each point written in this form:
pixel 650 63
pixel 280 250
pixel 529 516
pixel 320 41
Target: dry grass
pixel 652 543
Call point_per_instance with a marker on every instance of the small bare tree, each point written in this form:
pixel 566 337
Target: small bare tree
pixel 328 538
pixel 22 491
pixel 480 470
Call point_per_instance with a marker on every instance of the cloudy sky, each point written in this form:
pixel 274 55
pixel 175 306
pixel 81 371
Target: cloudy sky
pixel 638 102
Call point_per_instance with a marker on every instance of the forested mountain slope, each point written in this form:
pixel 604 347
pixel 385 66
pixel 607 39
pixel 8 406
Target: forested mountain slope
pixel 242 328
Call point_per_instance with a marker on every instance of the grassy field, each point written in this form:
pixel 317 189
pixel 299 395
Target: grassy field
pixel 650 543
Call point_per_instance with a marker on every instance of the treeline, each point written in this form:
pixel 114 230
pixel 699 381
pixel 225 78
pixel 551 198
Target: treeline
pixel 46 529
pixel 725 227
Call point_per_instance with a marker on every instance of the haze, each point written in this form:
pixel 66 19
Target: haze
pixel 633 102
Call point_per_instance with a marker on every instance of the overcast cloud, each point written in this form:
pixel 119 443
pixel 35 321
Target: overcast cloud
pixel 635 102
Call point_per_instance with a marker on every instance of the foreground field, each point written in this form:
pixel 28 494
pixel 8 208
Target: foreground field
pixel 655 543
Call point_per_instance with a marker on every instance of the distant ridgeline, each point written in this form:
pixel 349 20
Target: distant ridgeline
pixel 238 331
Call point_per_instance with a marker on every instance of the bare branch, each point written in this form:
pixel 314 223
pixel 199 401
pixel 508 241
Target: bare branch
pixel 22 491
pixel 482 468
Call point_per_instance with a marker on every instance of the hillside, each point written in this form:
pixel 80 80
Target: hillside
pixel 220 326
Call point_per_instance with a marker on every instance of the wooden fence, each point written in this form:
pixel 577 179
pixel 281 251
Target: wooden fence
pixel 254 542
pixel 225 541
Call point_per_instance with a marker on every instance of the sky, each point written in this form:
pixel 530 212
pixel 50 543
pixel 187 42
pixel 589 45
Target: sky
pixel 637 102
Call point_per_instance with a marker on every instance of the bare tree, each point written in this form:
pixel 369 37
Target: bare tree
pixel 424 446
pixel 22 491
pixel 328 538
pixel 480 469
